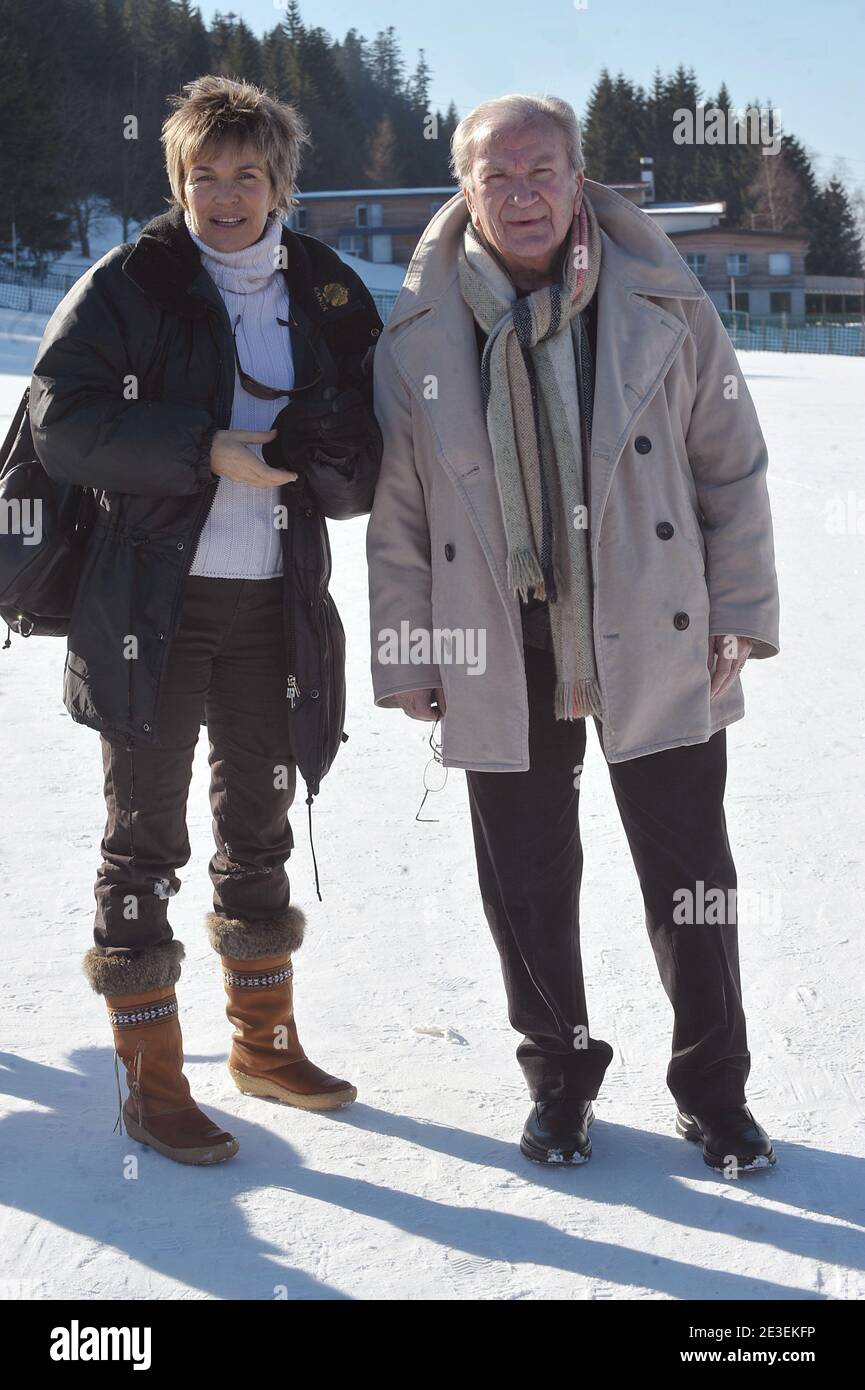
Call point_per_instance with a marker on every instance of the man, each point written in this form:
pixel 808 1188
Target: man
pixel 573 470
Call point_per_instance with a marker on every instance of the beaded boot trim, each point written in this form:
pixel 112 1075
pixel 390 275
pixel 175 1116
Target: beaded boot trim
pixel 146 1013
pixel 258 980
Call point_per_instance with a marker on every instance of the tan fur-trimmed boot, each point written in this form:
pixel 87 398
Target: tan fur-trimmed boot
pixel 142 1008
pixel 267 1058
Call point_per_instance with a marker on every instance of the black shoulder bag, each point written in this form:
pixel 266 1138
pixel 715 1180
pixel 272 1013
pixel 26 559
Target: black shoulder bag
pixel 43 529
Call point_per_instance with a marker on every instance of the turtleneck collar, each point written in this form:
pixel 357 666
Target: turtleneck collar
pixel 246 271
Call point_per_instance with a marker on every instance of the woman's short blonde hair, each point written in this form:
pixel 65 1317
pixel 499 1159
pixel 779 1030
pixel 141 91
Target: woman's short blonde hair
pixel 511 113
pixel 212 110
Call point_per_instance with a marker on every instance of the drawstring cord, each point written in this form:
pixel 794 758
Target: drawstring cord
pixel 118 1124
pixel 134 1085
pixel 311 845
pixel 8 642
pixel 130 749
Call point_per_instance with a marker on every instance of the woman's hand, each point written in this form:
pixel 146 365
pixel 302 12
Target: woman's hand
pixel 230 458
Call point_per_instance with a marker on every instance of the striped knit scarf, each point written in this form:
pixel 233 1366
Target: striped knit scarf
pixel 531 404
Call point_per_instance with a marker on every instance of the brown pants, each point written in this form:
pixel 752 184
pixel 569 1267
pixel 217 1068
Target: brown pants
pixel 226 663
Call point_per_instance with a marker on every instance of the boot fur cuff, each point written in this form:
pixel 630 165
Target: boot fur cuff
pixel 153 968
pixel 242 940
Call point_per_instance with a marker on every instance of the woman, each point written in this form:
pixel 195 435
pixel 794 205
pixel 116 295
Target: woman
pixel 203 593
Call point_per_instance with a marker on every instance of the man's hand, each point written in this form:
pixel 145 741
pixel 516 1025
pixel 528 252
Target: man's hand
pixel 732 653
pixel 230 458
pixel 422 704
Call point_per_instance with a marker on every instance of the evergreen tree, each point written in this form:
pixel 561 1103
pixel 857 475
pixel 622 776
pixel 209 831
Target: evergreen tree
pixel 29 151
pixel 729 169
pixel 83 88
pixel 235 51
pixel 835 247
pixel 614 130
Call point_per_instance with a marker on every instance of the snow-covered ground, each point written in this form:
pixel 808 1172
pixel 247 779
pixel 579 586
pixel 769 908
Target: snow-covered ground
pixel 418 1190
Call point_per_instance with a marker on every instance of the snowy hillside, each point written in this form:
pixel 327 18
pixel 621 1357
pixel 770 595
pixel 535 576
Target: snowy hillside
pixel 419 1189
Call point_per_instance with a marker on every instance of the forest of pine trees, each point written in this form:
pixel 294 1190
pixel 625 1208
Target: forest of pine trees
pixel 73 72
pixel 776 192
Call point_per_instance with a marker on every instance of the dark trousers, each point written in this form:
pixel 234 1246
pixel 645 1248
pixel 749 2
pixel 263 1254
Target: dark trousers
pixel 529 856
pixel 226 663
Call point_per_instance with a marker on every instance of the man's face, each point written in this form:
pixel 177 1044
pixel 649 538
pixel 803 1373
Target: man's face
pixel 229 195
pixel 522 195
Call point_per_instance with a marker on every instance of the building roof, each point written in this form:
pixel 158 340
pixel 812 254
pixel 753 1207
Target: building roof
pixel 730 233
pixel 451 189
pixel 834 284
pixel 718 208
pixel 375 192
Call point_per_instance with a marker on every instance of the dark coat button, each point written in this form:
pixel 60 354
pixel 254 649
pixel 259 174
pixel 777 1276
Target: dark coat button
pixel 642 444
pixel 681 621
pixel 664 530
pixel 449 551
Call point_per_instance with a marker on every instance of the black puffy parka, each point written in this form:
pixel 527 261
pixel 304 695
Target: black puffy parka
pixel 135 373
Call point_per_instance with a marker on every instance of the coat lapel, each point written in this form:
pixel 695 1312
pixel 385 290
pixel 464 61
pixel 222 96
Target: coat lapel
pixel 637 343
pixel 437 357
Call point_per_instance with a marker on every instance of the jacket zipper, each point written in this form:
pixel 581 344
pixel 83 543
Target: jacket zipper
pixel 293 691
pixel 204 512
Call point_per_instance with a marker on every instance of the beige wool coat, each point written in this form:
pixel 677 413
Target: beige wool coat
pixel 675 439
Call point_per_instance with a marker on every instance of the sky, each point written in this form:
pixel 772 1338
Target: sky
pixel 805 58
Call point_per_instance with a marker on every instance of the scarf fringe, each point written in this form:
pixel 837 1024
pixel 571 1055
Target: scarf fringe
pixel 578 699
pixel 524 573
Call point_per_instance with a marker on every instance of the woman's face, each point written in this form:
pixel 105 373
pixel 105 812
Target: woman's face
pixel 229 195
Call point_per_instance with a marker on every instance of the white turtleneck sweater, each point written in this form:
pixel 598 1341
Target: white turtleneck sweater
pixel 239 539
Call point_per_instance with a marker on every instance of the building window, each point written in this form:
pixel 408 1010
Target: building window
pixel 696 261
pixel 743 301
pixel 353 244
pixel 737 264
pixel 376 214
pixel 360 215
pixel 779 263
pixel 381 248
pixel 779 302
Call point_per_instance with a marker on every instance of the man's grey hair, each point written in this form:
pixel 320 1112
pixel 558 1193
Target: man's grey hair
pixel 511 113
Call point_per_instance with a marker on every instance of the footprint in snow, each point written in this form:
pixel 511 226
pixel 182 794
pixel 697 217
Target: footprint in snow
pixel 449 1035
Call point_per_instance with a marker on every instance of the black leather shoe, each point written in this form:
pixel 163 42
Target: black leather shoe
pixel 557 1131
pixel 732 1139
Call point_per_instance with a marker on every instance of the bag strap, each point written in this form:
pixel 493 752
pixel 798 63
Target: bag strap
pixel 14 429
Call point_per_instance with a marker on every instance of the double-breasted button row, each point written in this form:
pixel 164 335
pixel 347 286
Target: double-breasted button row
pixel 664 529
